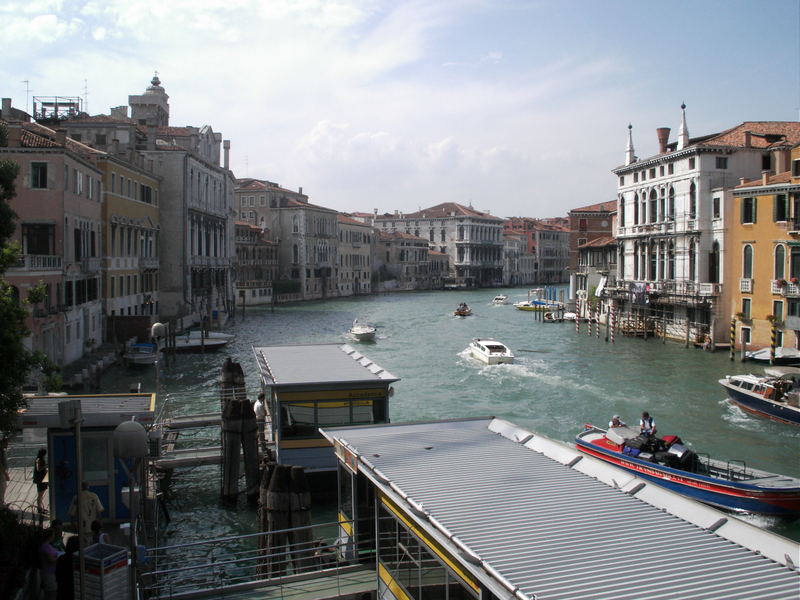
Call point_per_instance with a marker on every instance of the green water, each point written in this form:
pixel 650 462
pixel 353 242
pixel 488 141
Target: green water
pixel 559 381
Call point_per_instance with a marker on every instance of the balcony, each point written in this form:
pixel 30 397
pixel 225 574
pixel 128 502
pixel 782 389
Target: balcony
pixel 791 290
pixel 746 285
pixel 90 264
pixel 148 262
pixel 710 289
pixel 39 262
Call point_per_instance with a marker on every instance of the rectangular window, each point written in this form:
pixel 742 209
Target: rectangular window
pixel 76 136
pixel 583 224
pixel 745 335
pixel 111 287
pixel 748 210
pixel 671 168
pixel 66 177
pixel 777 310
pixel 746 307
pixel 793 308
pixel 635 177
pixel 622 180
pixel 722 162
pixel 716 207
pixel 661 170
pixel 39 175
pixel 653 173
pixel 796 168
pixel 113 181
pixel 780 211
pixel 691 164
pixel 100 139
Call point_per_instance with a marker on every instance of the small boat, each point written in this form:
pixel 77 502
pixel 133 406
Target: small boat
pixel 783 356
pixel 667 462
pixel 363 332
pixel 197 341
pixel 537 302
pixel 775 396
pixel 463 310
pixel 140 354
pixel 491 351
pixel 570 316
pixel 552 317
pixel 500 300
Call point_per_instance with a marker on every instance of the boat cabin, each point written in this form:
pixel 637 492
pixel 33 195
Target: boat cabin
pixel 317 385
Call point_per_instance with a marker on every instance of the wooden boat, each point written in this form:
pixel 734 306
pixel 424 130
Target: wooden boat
pixel 491 351
pixel 363 332
pixel 771 396
pixel 140 354
pixel 783 356
pixel 462 311
pixel 667 462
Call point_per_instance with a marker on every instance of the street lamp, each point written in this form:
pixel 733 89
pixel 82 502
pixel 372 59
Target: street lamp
pixel 131 442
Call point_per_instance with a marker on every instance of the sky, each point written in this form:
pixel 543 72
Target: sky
pixel 517 107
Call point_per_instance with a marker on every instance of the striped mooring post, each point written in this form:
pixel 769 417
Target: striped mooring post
pixel 597 322
pixel 733 338
pixel 773 335
pixel 578 316
pixel 588 319
pixel 613 317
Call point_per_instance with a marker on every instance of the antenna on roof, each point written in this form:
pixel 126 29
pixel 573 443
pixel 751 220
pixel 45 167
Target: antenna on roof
pixel 27 93
pixel 86 96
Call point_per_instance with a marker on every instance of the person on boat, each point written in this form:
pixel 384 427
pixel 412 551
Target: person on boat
pixel 616 422
pixel 647 424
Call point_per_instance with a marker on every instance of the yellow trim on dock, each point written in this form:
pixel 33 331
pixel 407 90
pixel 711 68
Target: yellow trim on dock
pixel 397 591
pixel 346 524
pixel 309 443
pixel 332 394
pixel 432 545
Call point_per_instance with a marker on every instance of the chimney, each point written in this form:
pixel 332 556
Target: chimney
pixel 61 137
pixel 764 177
pixel 300 189
pixel 783 160
pixel 6 111
pixel 663 138
pixel 115 146
pixel 396 212
pixel 151 136
pixel 14 135
pixel 747 139
pixel 119 112
pixel 226 146
pixel 742 180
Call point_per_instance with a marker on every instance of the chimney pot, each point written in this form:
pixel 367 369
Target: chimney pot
pixel 764 177
pixel 747 139
pixel 61 137
pixel 742 180
pixel 663 139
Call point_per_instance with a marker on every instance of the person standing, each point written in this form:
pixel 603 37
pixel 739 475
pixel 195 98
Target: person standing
pixel 98 535
pixel 39 475
pixel 91 507
pixel 4 476
pixel 48 557
pixel 260 409
pixel 64 570
pixel 616 422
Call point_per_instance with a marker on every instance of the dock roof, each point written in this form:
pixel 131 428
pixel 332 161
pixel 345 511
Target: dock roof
pixel 534 518
pixel 318 365
pixel 98 410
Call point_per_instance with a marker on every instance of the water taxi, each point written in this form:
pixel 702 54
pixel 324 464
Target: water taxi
pixel 363 332
pixel 774 397
pixel 463 310
pixel 667 462
pixel 500 300
pixel 783 356
pixel 490 351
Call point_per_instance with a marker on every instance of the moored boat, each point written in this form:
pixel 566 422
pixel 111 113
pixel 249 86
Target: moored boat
pixel 552 317
pixel 537 302
pixel 140 354
pixel 463 310
pixel 667 462
pixel 363 332
pixel 490 351
pixel 774 397
pixel 198 341
pixel 783 356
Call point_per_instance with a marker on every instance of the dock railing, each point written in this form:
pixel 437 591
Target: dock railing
pixel 225 565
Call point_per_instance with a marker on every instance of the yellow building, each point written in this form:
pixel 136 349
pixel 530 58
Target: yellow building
pixel 763 258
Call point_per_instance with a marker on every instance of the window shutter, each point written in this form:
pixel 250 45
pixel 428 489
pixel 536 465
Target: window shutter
pixel 755 211
pixel 775 201
pixel 742 202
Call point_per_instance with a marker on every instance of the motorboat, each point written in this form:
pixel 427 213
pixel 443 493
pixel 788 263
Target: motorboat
pixel 667 462
pixel 783 356
pixel 552 317
pixel 570 316
pixel 500 300
pixel 775 395
pixel 490 351
pixel 463 310
pixel 140 354
pixel 198 341
pixel 538 302
pixel 363 332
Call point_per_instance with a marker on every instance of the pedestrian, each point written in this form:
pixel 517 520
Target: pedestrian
pixel 91 508
pixel 98 535
pixel 616 422
pixel 48 557
pixel 260 409
pixel 64 569
pixel 4 476
pixel 39 476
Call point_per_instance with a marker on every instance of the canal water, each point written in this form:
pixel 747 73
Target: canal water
pixel 560 380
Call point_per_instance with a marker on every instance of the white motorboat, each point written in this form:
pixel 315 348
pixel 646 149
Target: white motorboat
pixel 199 341
pixel 140 354
pixel 363 332
pixel 490 351
pixel 500 299
pixel 783 356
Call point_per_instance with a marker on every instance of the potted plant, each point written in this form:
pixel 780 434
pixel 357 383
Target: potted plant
pixel 793 280
pixel 781 282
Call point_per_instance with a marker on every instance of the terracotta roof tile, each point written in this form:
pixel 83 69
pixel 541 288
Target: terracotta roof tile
pixel 764 134
pixel 785 177
pixel 608 206
pixel 600 242
pixel 445 210
pixel 347 220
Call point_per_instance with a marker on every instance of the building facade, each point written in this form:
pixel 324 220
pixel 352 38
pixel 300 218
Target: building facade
pixel 256 265
pixel 356 243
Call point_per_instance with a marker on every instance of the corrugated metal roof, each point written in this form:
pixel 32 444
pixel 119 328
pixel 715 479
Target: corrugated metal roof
pixel 553 524
pixel 98 410
pixel 314 364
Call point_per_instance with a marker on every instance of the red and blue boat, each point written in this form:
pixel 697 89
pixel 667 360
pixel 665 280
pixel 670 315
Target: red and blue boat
pixel 729 485
pixel 773 397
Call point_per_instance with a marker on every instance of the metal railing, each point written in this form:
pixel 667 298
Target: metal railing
pixel 39 262
pixel 208 568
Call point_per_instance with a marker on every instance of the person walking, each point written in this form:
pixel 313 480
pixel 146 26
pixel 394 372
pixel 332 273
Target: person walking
pixel 39 476
pixel 91 507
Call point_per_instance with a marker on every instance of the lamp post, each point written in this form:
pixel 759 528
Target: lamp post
pixel 130 442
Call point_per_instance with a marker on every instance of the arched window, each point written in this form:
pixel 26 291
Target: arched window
pixel 747 262
pixel 621 210
pixel 636 261
pixel 295 254
pixel 643 209
pixel 653 262
pixel 713 263
pixel 671 261
pixel 662 254
pixel 662 206
pixel 692 201
pixel 780 261
pixel 295 224
pixel 692 261
pixel 671 214
pixel 653 206
pixel 636 209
